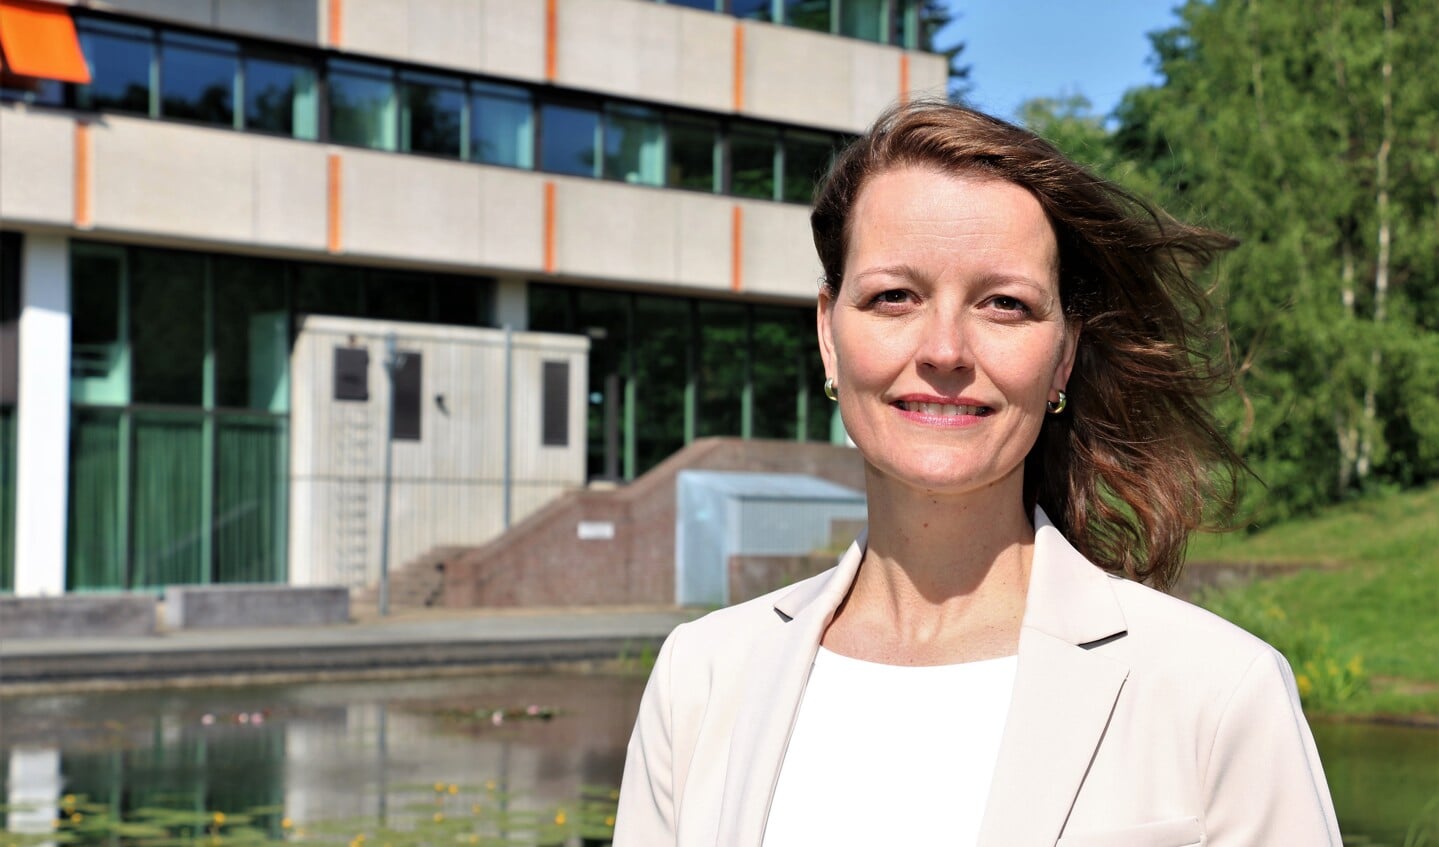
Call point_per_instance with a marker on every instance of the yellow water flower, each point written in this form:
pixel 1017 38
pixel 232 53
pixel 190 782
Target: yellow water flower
pixel 610 820
pixel 439 817
pixel 76 817
pixel 218 818
pixel 1305 685
pixel 68 800
pixel 1355 665
pixel 360 839
pixel 490 785
pixel 286 823
pixel 454 789
pixel 439 788
pixel 560 818
pixel 476 809
pixel 474 839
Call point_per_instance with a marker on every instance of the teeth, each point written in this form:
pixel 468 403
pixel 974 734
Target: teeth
pixel 942 409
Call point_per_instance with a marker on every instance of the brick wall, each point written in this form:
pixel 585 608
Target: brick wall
pixel 542 561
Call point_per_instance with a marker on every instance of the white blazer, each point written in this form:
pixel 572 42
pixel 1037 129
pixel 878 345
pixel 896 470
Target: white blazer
pixel 1137 720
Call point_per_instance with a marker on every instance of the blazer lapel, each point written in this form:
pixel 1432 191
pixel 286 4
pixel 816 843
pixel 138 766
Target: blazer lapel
pixel 1064 695
pixel 771 701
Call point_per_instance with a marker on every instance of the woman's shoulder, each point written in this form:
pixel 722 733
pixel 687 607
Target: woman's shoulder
pixel 735 631
pixel 1166 631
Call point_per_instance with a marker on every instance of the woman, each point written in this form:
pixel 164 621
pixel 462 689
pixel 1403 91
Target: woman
pixel 1015 347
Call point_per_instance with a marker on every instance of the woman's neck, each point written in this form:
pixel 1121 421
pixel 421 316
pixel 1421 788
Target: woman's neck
pixel 943 578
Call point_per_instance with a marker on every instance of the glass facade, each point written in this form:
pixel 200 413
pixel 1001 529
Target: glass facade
pixel 432 117
pixel 198 79
pixel 180 403
pixel 667 370
pixel 268 88
pixel 122 66
pixel 10 245
pixel 281 96
pixel 502 125
pixel 362 105
pixel 634 145
pixel 569 140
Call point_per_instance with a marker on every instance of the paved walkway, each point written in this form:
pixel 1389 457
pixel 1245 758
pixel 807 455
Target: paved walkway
pixel 409 641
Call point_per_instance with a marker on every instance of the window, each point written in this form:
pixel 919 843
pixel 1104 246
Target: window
pixel 99 354
pixel 555 404
pixel 707 5
pixel 167 327
pixel 806 158
pixel 866 19
pixel 569 139
pixel 432 116
pixel 406 395
pixel 779 340
pixel 121 66
pixel 752 162
pixel 723 367
pixel 808 14
pixel 694 157
pixel 502 127
pixel 397 295
pixel 252 338
pixel 634 145
pixel 281 97
pixel 362 105
pixel 759 10
pixel 197 79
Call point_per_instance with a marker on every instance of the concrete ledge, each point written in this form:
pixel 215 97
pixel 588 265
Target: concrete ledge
pixel 77 616
pixel 258 605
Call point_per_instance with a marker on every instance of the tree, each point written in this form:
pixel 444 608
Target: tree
pixel 935 15
pixel 1308 130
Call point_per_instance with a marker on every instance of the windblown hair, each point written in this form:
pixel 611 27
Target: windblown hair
pixel 1137 460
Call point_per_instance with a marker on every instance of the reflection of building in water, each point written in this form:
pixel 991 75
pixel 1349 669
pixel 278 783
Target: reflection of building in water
pixel 316 753
pixel 33 789
pixel 632 172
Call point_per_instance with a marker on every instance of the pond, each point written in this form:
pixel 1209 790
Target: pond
pixel 478 760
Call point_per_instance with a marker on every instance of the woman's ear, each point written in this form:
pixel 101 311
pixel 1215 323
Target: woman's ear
pixel 1067 356
pixel 824 324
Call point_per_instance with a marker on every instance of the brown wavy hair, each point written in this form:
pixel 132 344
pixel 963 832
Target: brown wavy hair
pixel 1137 461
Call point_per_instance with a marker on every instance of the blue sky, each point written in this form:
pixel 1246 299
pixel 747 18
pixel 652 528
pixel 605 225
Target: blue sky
pixel 1018 49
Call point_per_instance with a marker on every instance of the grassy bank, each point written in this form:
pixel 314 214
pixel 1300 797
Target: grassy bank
pixel 1362 630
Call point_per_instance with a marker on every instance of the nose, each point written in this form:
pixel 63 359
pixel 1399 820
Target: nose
pixel 943 343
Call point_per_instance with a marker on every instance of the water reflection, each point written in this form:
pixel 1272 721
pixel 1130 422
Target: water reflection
pixel 387 751
pixel 317 752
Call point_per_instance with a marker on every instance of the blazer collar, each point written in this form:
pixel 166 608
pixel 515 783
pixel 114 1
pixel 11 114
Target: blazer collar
pixel 1063 695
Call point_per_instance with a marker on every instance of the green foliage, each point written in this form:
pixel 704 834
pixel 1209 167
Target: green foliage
pixel 1307 131
pixel 1375 600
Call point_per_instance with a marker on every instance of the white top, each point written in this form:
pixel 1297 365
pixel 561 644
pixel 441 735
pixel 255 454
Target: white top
pixel 888 754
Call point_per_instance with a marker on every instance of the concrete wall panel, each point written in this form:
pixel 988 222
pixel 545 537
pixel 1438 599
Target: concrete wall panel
pixel 779 255
pixel 37 170
pixel 445 32
pixel 407 206
pixel 376 27
pixel 706 61
pixel 705 241
pixel 800 77
pixel 512 213
pixel 620 46
pixel 288 20
pixel 290 194
pixel 512 38
pixel 928 75
pixel 875 86
pixel 615 231
pixel 172 180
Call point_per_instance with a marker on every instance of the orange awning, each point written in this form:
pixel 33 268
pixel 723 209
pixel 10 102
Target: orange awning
pixel 38 39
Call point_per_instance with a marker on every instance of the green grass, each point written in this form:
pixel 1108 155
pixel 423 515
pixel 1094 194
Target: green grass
pixel 1364 630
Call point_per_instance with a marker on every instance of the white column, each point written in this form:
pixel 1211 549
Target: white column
pixel 511 304
pixel 42 469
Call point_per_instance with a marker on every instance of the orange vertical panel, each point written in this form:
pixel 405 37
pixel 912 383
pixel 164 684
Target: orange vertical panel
pixel 738 66
pixel 83 216
pixel 334 234
pixel 552 39
pixel 337 22
pixel 736 251
pixel 550 262
pixel 904 77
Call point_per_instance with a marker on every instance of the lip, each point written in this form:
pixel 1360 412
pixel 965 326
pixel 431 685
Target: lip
pixel 931 418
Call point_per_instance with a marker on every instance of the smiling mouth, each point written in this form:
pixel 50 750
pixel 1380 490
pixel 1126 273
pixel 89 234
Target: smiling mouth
pixel 943 410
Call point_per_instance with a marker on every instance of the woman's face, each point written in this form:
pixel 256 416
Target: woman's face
pixel 947 335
